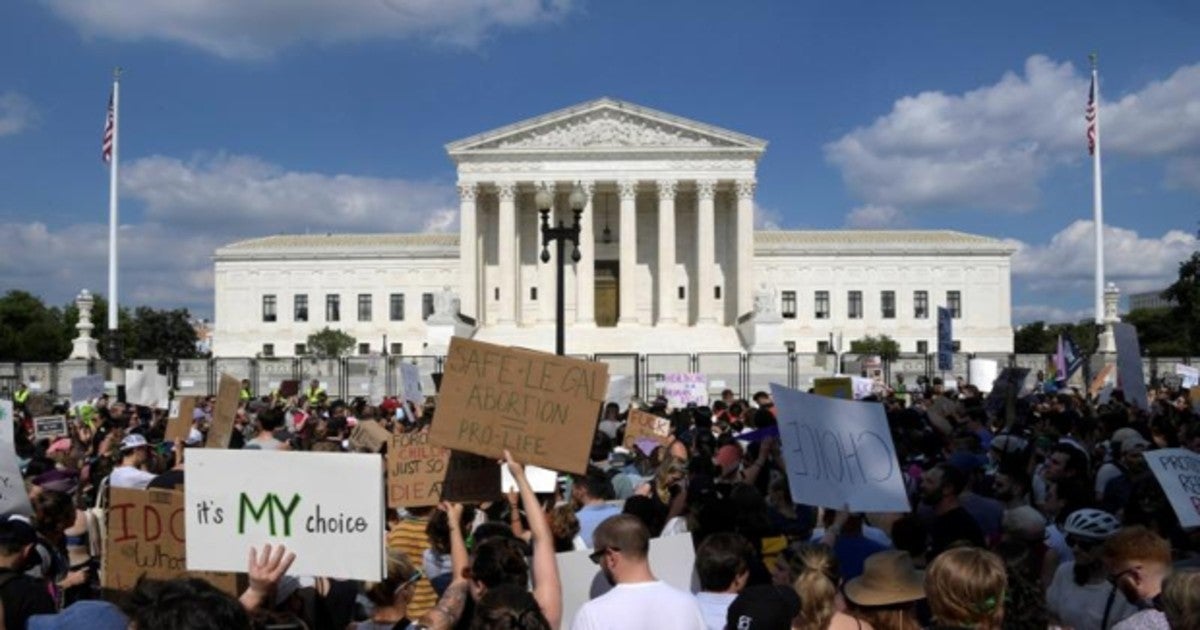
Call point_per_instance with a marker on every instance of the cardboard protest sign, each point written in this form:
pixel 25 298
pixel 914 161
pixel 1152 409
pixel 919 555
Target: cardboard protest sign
pixel 540 479
pixel 49 427
pixel 839 452
pixel 13 498
pixel 224 413
pixel 672 559
pixel 146 537
pixel 179 421
pixel 471 478
pixel 1129 365
pixel 541 407
pixel 149 389
pixel 410 383
pixel 620 390
pixel 684 388
pixel 1190 375
pixel 416 470
pixel 85 388
pixel 1178 472
pixel 289 388
pixel 369 436
pixel 326 507
pixel 1101 379
pixel 646 425
pixel 834 387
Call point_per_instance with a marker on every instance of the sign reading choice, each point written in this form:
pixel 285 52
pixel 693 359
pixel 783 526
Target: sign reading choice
pixel 838 452
pixel 541 407
pixel 298 499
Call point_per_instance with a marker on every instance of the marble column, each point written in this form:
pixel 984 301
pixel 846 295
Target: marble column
pixel 585 269
pixel 507 259
pixel 706 248
pixel 666 251
pixel 628 253
pixel 745 246
pixel 467 251
pixel 547 269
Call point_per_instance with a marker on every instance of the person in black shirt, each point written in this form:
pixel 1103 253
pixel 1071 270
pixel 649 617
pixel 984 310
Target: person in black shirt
pixel 952 523
pixel 22 596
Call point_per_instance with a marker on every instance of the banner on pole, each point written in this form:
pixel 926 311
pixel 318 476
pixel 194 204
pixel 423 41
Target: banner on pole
pixel 945 339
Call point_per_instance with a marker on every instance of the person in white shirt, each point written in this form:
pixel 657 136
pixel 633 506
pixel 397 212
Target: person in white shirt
pixel 639 601
pixel 722 563
pixel 135 450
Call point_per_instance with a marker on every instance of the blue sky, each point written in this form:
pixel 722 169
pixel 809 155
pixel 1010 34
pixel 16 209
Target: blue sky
pixel 247 118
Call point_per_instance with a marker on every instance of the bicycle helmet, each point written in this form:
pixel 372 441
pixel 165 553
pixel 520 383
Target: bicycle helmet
pixel 1091 523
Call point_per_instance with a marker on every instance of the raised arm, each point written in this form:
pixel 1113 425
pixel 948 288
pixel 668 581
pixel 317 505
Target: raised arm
pixel 450 607
pixel 547 589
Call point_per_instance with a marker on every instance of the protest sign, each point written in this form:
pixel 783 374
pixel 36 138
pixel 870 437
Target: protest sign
pixel 1007 385
pixel 672 559
pixel 642 425
pixel 146 388
pixel 86 388
pixel 839 452
pixel 146 538
pixel 13 498
pixel 1190 376
pixel 369 436
pixel 416 470
pixel 684 388
pixel 541 407
pixel 289 388
pixel 540 479
pixel 326 507
pixel 471 478
pixel 1178 472
pixel 982 373
pixel 179 421
pixel 1129 366
pixel 834 387
pixel 862 387
pixel 49 427
pixel 1101 379
pixel 620 390
pixel 224 413
pixel 410 383
pixel 945 340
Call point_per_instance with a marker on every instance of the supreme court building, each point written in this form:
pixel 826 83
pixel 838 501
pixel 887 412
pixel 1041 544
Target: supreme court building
pixel 670 261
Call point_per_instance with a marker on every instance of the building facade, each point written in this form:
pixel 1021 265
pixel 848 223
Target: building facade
pixel 669 260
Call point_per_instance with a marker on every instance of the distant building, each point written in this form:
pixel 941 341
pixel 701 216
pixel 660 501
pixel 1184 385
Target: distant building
pixel 1150 300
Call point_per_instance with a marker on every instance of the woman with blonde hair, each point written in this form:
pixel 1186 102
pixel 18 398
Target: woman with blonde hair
pixel 817 584
pixel 966 589
pixel 1181 599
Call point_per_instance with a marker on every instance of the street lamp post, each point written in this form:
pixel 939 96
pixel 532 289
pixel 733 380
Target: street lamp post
pixel 559 235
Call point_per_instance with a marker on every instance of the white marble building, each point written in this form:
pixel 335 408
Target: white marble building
pixel 670 261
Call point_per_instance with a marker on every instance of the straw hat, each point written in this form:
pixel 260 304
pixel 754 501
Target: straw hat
pixel 888 578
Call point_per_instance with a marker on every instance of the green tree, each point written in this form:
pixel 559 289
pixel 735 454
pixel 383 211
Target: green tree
pixel 1158 332
pixel 30 330
pixel 1185 292
pixel 882 346
pixel 1033 338
pixel 330 344
pixel 162 335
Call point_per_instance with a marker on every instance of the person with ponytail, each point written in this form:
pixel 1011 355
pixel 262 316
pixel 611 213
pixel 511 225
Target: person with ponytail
pixel 818 583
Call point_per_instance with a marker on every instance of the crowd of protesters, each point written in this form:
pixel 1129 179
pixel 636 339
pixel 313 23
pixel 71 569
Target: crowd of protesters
pixel 1039 514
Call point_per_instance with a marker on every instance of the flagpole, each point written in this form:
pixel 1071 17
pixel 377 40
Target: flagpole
pixel 1097 198
pixel 113 302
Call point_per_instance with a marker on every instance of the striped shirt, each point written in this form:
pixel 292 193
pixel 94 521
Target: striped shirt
pixel 409 537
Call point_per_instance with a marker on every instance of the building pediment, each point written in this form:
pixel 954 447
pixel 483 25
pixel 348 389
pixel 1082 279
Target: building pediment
pixel 606 124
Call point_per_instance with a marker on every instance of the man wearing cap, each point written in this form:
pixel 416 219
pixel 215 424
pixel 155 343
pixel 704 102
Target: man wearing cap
pixel 134 453
pixel 22 596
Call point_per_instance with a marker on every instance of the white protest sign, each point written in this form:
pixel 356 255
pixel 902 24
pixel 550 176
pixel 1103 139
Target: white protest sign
pixel 540 479
pixel 863 387
pixel 1190 375
pixel 1178 472
pixel 326 507
pixel 838 452
pixel 682 388
pixel 672 559
pixel 148 389
pixel 620 390
pixel 85 388
pixel 983 373
pixel 13 498
pixel 410 383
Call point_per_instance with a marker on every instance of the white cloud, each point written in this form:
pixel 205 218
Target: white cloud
pixel 17 113
pixel 236 29
pixel 1027 313
pixel 767 218
pixel 991 147
pixel 873 217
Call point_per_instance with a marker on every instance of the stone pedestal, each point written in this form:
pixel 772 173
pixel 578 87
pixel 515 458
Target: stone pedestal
pixel 446 322
pixel 84 346
pixel 1107 343
pixel 761 330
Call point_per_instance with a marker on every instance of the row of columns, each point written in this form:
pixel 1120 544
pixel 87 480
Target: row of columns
pixel 508 257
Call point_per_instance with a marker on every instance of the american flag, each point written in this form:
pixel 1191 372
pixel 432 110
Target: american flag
pixel 107 146
pixel 1090 116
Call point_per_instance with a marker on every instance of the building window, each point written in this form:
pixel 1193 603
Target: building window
pixel 789 305
pixel 396 307
pixel 300 307
pixel 954 303
pixel 822 347
pixel 397 348
pixel 922 347
pixel 920 305
pixel 496 294
pixel 682 293
pixel 300 350
pixel 822 305
pixel 426 305
pixel 268 308
pixel 717 292
pixel 887 303
pixel 956 345
pixel 364 348
pixel 333 308
pixel 855 305
pixel 364 307
pixel 268 350
pixel 533 293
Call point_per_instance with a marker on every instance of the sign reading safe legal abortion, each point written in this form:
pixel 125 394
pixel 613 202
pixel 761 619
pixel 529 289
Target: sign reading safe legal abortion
pixel 541 407
pixel 327 507
pixel 838 452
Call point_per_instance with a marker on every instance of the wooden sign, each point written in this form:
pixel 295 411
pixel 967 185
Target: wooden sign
pixel 644 425
pixel 224 413
pixel 49 427
pixel 179 424
pixel 369 436
pixel 146 537
pixel 416 470
pixel 541 407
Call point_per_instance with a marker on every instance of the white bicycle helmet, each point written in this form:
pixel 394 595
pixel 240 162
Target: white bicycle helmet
pixel 1091 523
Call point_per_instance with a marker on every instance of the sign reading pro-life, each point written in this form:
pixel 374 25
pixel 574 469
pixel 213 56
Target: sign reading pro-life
pixel 326 507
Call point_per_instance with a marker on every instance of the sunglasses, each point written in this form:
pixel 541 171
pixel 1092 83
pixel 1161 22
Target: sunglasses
pixel 599 554
pixel 410 581
pixel 1086 544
